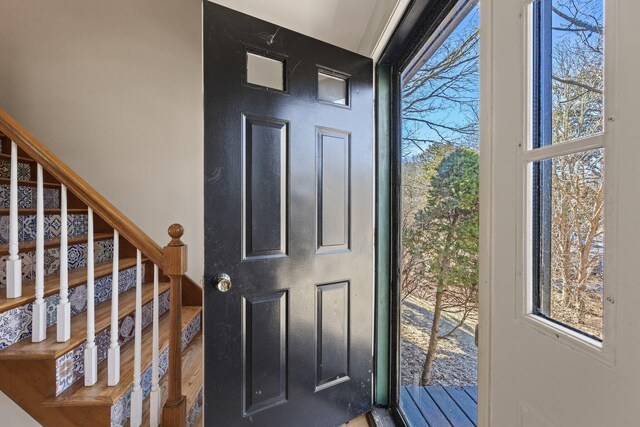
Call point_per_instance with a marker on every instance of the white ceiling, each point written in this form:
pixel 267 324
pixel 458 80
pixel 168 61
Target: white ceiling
pixel 356 25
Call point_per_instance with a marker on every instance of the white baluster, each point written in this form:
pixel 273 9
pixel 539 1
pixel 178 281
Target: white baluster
pixel 39 307
pixel 64 306
pixel 14 263
pixel 136 392
pixel 114 347
pixel 156 396
pixel 90 350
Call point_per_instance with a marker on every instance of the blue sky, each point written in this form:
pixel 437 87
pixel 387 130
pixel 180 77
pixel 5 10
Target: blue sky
pixel 449 112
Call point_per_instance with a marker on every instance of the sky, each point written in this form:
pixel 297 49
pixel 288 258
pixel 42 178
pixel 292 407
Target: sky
pixel 449 113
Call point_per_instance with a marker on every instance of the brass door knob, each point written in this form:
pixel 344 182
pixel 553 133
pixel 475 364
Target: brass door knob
pixel 223 282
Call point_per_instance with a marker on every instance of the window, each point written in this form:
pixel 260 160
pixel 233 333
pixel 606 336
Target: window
pixel 333 88
pixel 566 159
pixel 264 71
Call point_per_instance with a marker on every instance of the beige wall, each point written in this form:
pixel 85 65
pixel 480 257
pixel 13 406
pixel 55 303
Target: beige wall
pixel 115 89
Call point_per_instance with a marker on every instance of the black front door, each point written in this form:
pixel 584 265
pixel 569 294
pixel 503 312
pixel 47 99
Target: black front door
pixel 289 218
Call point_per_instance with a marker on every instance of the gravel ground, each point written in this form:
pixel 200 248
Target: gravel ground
pixel 457 359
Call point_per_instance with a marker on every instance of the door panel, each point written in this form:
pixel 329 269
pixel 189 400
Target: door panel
pixel 332 334
pixel 333 190
pixel 289 217
pixel 265 186
pixel 264 350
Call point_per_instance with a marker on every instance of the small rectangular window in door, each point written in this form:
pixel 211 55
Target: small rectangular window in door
pixel 333 88
pixel 265 71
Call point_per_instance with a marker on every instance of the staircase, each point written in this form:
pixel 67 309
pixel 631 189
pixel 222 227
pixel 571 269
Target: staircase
pixel 99 326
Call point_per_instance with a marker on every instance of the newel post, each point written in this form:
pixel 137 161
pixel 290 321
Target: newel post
pixel 174 266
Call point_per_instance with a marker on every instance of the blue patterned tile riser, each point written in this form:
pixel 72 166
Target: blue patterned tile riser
pixel 27 197
pixel 15 324
pixel 76 224
pixel 191 331
pixel 77 258
pixel 70 366
pixel 194 412
pixel 121 410
pixel 24 170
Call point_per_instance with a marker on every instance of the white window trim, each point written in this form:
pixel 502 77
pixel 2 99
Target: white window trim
pixel 602 351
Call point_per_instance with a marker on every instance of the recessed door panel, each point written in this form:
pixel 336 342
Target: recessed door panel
pixel 332 334
pixel 265 187
pixel 333 190
pixel 264 351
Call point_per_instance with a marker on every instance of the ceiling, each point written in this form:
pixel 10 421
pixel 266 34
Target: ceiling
pixel 360 26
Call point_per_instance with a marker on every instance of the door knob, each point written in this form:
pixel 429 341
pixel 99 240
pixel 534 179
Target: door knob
pixel 223 282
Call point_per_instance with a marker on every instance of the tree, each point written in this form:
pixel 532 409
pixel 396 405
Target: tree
pixel 449 222
pixel 577 180
pixel 416 176
pixel 439 115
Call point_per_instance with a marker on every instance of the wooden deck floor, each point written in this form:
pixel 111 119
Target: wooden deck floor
pixel 436 406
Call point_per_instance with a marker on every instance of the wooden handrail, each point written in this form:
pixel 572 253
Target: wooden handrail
pixel 80 188
pixel 88 195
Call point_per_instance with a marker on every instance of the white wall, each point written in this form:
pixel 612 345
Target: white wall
pixel 115 89
pixel 13 415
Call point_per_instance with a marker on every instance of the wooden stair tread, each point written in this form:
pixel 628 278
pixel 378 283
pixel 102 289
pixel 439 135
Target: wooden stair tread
pixel 50 348
pixel 77 277
pixel 192 377
pixel 100 393
pixel 5 181
pixel 30 245
pixel 48 211
pixel 192 370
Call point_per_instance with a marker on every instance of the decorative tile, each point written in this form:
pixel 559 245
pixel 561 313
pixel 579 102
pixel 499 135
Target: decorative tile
pixel 66 377
pixel 52 224
pixel 27 227
pixel 191 331
pixel 16 324
pixel 76 226
pixel 64 371
pixel 77 258
pixel 4 229
pixel 51 198
pixel 24 170
pixel 121 410
pixel 27 197
pixel 194 412
pixel 51 304
pixel 103 250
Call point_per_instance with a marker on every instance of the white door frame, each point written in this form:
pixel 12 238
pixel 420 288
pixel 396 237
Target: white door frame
pixel 486 217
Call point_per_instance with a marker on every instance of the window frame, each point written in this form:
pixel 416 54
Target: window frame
pixel 530 228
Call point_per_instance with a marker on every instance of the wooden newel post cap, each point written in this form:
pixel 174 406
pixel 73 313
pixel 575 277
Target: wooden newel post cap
pixel 175 253
pixel 176 231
